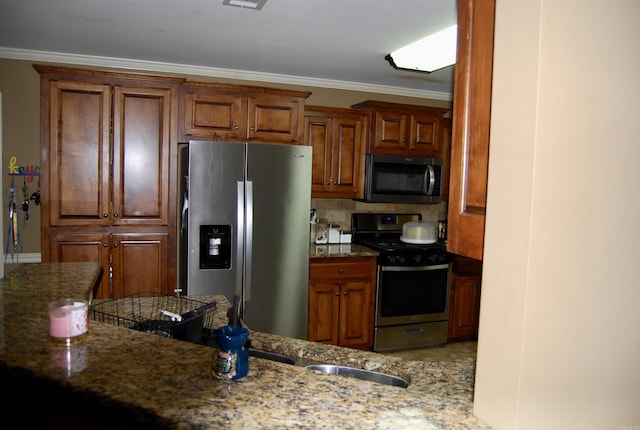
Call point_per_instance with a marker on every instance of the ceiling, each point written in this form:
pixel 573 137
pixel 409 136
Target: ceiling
pixel 325 43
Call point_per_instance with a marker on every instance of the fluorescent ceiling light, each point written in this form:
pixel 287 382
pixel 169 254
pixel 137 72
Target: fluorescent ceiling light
pixel 249 4
pixel 429 54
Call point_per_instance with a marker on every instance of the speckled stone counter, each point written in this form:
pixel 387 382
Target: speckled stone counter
pixel 116 377
pixel 340 250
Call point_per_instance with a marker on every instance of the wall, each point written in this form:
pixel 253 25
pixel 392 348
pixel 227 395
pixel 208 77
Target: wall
pixel 559 341
pixel 20 85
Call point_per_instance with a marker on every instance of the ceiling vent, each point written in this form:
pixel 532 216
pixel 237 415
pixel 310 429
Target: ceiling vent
pixel 248 4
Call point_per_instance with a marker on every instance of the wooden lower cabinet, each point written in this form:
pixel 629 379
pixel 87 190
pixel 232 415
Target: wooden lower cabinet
pixel 341 301
pixel 464 306
pixel 132 263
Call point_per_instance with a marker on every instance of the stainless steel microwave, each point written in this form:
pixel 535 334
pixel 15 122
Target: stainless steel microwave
pixel 402 179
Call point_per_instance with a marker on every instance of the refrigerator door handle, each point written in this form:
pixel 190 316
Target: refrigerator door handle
pixel 248 245
pixel 239 266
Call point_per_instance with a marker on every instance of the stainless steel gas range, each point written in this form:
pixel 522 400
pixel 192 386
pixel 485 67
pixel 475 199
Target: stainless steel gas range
pixel 413 283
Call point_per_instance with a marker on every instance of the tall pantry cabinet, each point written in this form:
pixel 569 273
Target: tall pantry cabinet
pixel 108 146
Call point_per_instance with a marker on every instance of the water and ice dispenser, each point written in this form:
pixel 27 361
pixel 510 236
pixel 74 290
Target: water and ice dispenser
pixel 215 246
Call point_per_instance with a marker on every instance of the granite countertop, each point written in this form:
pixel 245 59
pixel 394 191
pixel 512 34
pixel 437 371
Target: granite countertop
pixel 135 379
pixel 340 250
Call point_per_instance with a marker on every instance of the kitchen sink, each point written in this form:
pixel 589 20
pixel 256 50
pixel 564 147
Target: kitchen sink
pixel 331 369
pixel 269 355
pixel 365 375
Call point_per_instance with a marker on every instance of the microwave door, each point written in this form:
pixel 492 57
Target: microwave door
pixel 429 180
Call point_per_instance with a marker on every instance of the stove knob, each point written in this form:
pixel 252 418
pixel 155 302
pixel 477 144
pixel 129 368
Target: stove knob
pixel 417 258
pixel 401 259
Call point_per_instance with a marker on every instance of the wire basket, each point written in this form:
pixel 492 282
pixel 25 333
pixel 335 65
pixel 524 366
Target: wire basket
pixel 165 315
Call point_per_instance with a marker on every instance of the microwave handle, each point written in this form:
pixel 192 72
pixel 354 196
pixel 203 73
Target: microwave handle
pixel 430 180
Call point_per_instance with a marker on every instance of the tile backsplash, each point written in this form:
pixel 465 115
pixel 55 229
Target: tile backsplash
pixel 338 211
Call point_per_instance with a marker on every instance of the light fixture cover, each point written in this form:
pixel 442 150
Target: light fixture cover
pixel 432 53
pixel 249 4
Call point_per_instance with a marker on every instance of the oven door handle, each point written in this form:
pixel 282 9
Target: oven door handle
pixel 413 268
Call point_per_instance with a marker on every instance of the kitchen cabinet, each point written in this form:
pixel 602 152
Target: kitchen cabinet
pixel 221 112
pixel 108 149
pixel 446 157
pixel 338 138
pixel 136 261
pixel 471 123
pixel 341 301
pixel 404 129
pixel 464 305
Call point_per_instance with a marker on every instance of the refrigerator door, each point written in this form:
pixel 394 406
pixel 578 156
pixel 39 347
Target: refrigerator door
pixel 214 238
pixel 276 286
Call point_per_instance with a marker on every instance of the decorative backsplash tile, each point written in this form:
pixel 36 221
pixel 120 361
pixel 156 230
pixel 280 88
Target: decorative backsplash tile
pixel 338 211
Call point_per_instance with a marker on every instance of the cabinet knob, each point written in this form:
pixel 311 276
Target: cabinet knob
pixel 252 128
pixel 105 215
pixel 338 293
pixel 115 245
pixel 105 244
pixel 341 270
pixel 345 293
pixel 236 127
pixel 115 215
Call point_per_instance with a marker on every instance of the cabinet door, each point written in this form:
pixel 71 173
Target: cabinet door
pixel 208 115
pixel 465 307
pixel 356 324
pixel 324 309
pixel 390 134
pixel 83 247
pixel 141 155
pixel 338 138
pixel 347 165
pixel 425 138
pixel 319 135
pixel 275 119
pixel 139 263
pixel 471 121
pixel 446 157
pixel 76 189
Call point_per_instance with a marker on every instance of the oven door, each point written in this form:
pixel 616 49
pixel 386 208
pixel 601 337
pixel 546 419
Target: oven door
pixel 412 294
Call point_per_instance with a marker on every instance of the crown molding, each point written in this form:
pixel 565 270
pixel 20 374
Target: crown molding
pixel 154 66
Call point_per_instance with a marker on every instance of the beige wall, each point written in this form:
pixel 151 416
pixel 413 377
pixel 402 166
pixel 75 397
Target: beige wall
pixel 20 87
pixel 20 84
pixel 559 342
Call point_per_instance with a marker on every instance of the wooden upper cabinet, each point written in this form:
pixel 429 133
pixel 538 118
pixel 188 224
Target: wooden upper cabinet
pixel 238 113
pixel 338 137
pixel 78 153
pixel 471 123
pixel 141 155
pixel 210 115
pixel 89 180
pixel 404 129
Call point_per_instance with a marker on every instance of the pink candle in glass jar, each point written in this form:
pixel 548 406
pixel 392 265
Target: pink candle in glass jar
pixel 68 318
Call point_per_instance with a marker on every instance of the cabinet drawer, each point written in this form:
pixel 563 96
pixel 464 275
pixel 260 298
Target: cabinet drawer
pixel 341 269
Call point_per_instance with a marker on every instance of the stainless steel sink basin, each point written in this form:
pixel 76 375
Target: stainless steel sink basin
pixel 366 375
pixel 273 356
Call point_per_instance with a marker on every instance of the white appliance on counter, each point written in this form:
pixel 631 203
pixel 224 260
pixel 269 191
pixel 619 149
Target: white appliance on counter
pixel 245 229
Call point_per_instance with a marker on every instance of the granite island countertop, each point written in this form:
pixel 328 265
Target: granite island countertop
pixel 116 377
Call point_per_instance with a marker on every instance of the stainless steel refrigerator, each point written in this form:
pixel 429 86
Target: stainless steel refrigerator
pixel 245 229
